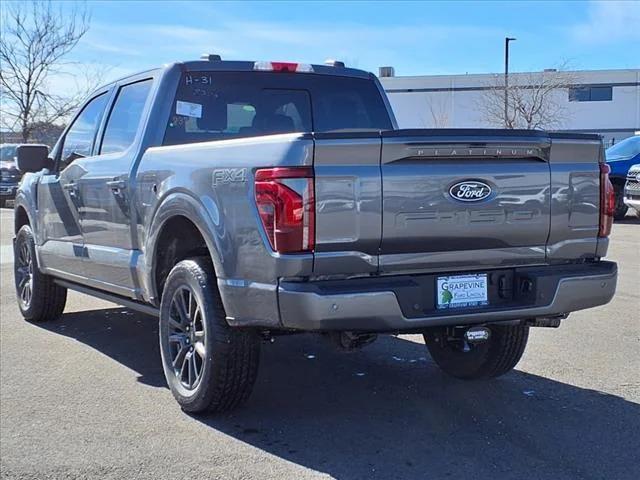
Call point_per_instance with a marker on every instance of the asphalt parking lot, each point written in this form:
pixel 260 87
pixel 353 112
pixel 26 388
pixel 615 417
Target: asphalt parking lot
pixel 86 398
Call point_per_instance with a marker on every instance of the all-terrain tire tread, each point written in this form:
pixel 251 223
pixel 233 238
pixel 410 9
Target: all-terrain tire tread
pixel 508 350
pixel 237 351
pixel 50 298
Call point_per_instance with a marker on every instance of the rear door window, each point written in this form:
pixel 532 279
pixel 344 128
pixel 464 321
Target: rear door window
pixel 125 117
pixel 221 105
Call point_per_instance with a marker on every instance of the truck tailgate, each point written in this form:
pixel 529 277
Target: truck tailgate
pixel 454 200
pixel 451 199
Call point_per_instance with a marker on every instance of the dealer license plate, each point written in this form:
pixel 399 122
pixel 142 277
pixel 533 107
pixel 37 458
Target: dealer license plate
pixel 460 291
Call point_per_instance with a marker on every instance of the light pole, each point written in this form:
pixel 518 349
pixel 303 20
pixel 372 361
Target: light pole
pixel 506 80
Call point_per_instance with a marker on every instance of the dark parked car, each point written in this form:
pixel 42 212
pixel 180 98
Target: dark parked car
pixel 620 157
pixel 9 174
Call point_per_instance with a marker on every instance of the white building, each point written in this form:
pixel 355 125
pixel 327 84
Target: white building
pixel 600 101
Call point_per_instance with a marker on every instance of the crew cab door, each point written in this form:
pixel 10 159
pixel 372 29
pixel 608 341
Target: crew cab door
pixel 464 199
pixel 105 193
pixel 61 246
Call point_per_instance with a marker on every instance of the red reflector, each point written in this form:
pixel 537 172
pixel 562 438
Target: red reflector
pixel 607 201
pixel 285 201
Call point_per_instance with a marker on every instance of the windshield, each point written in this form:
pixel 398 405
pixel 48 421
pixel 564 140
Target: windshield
pixel 221 105
pixel 7 153
pixel 628 147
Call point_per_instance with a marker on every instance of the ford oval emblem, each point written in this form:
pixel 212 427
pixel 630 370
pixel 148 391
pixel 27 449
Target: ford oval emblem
pixel 470 191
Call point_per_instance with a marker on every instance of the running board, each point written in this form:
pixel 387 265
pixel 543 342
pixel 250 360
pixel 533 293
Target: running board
pixel 109 297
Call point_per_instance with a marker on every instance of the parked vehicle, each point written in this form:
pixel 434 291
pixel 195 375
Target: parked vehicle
pixel 632 188
pixel 620 157
pixel 241 200
pixel 9 173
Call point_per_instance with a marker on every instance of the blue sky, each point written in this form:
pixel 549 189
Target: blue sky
pixel 416 38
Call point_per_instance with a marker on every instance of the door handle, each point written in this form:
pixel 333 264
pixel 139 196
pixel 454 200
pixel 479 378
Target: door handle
pixel 117 185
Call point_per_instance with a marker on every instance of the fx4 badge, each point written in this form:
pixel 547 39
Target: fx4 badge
pixel 469 191
pixel 224 176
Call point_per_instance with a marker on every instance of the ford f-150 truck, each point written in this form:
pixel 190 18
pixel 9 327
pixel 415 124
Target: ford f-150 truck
pixel 240 200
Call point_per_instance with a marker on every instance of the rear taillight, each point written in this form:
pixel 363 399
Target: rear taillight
pixel 285 201
pixel 607 201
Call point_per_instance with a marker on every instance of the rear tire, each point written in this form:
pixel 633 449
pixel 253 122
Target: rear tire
pixel 209 365
pixel 3 202
pixel 620 209
pixel 40 299
pixel 490 359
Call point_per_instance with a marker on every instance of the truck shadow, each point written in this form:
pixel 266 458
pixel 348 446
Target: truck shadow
pixel 388 412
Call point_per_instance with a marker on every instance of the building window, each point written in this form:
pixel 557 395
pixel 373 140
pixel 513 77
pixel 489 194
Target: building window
pixel 591 94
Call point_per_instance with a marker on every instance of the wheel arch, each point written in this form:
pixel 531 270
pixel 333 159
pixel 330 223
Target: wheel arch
pixel 25 204
pixel 181 227
pixel 21 218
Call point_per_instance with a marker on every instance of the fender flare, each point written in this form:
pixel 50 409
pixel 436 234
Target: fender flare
pixel 26 203
pixel 193 209
pixel 21 201
pixel 26 198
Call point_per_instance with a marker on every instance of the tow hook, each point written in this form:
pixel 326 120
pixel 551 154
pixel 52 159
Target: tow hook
pixel 475 335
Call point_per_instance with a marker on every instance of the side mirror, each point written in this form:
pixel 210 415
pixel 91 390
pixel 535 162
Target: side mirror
pixel 32 158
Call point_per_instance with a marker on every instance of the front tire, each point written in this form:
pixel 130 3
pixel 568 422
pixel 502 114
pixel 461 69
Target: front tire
pixel 40 299
pixel 493 358
pixel 209 366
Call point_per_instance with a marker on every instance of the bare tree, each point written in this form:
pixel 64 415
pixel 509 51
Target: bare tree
pixel 34 42
pixel 439 109
pixel 536 100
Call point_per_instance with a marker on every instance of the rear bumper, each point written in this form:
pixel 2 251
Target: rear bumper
pixel 387 303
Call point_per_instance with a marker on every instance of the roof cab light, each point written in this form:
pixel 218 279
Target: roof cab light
pixel 285 201
pixel 607 201
pixel 286 67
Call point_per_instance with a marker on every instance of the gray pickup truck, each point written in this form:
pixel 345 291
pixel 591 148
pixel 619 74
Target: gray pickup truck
pixel 241 200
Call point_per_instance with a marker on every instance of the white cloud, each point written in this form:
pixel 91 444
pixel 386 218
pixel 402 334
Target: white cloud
pixel 609 22
pixel 365 46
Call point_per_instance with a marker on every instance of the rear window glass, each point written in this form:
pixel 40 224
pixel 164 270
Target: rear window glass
pixel 222 105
